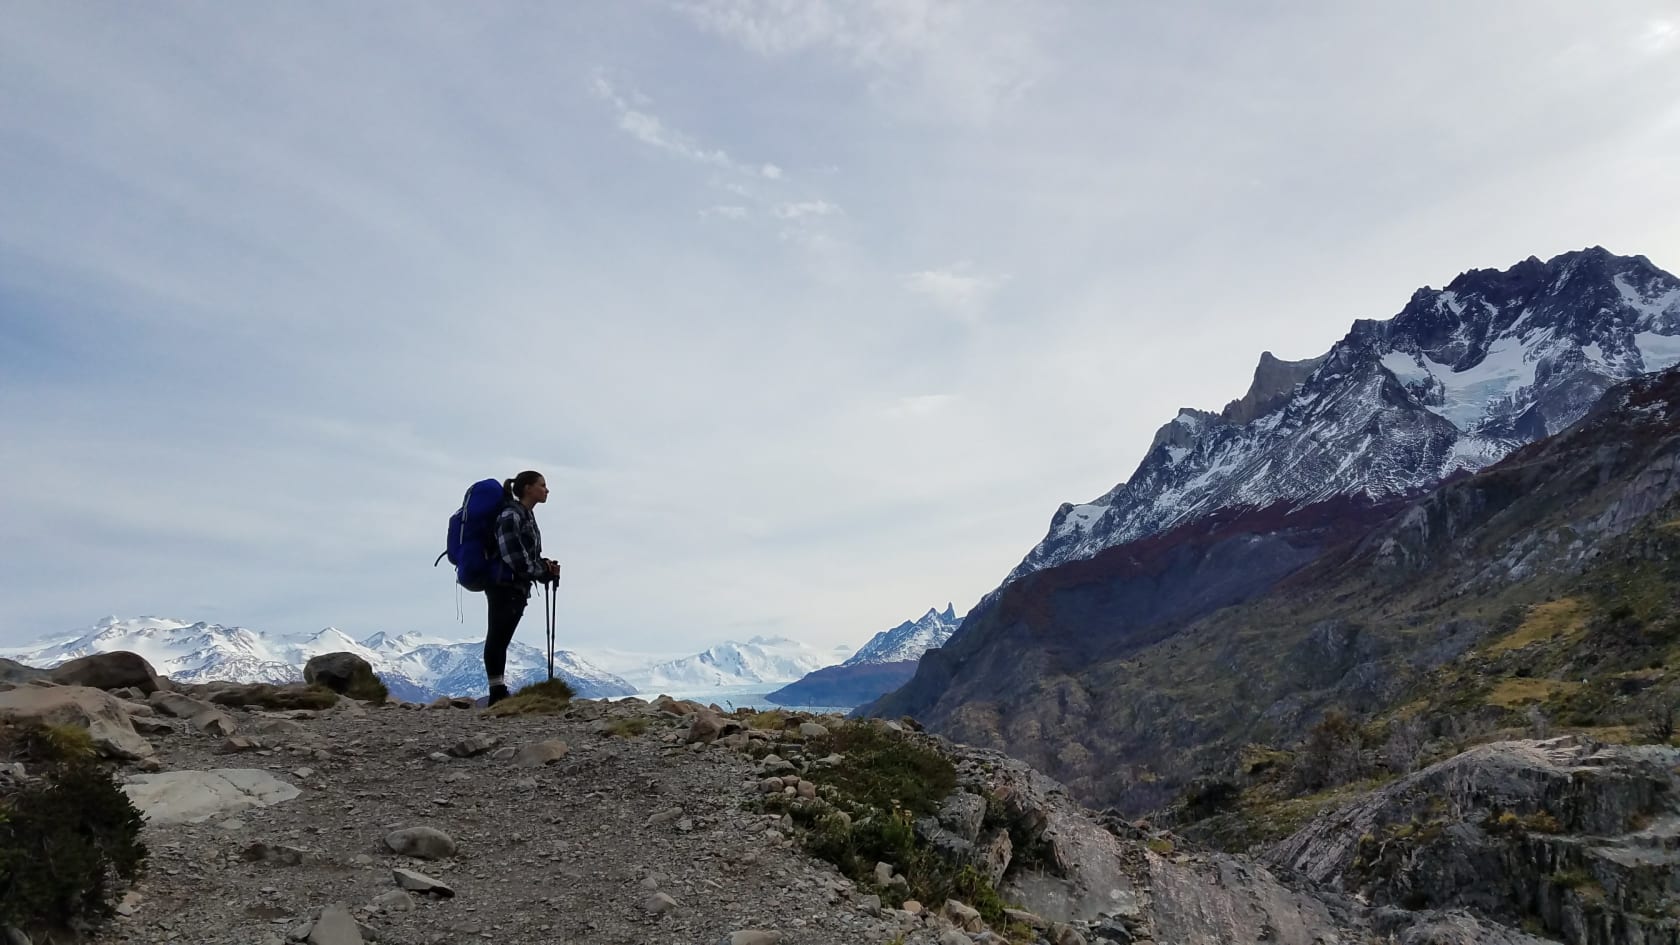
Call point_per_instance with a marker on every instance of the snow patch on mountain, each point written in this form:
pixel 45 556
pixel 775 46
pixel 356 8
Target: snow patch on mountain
pixel 414 666
pixel 733 665
pixel 910 639
pixel 1454 382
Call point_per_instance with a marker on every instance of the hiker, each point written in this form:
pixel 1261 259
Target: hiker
pixel 519 564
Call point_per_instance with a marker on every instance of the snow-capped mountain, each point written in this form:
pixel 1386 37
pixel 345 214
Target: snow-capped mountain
pixel 1453 383
pixel 909 640
pixel 413 666
pixel 883 664
pixel 731 664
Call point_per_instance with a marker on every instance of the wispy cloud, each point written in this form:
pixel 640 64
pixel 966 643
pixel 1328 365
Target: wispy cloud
pixel 804 209
pixel 649 129
pixel 1660 36
pixel 727 211
pixel 953 58
pixel 958 288
pixel 921 406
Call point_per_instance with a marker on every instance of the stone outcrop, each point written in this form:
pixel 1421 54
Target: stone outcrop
pixel 337 671
pixel 1556 833
pixel 93 709
pixel 120 669
pixel 191 797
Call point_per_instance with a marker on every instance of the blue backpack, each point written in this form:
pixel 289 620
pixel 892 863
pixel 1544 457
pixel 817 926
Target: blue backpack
pixel 471 546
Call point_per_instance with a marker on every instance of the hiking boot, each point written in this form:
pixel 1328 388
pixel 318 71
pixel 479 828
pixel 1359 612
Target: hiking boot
pixel 497 694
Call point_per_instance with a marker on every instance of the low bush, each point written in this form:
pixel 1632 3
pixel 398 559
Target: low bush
pixel 543 698
pixel 64 843
pixel 366 685
pixel 625 728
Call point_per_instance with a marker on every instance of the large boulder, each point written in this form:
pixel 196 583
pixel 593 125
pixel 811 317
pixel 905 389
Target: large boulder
pixel 338 671
pixel 93 709
pixel 16 673
pixel 115 670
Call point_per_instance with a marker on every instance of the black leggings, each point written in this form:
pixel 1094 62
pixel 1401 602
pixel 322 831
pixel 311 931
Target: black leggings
pixel 506 606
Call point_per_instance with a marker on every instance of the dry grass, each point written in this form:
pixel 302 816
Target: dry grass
pixel 1519 691
pixel 1547 621
pixel 544 698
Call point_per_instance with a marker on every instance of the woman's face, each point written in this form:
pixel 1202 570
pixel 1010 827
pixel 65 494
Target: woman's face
pixel 537 492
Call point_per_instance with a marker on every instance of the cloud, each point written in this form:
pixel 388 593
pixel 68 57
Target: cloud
pixel 649 129
pixel 1660 36
pixel 727 211
pixel 808 208
pixel 951 58
pixel 771 172
pixel 957 288
pixel 919 407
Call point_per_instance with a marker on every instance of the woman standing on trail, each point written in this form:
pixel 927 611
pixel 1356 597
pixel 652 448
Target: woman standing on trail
pixel 519 563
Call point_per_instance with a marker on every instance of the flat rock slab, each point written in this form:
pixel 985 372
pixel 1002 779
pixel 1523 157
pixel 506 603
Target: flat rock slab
pixel 190 797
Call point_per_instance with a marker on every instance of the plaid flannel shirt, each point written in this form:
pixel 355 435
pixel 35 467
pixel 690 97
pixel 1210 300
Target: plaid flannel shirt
pixel 519 543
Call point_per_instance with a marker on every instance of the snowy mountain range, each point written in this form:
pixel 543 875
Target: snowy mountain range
pixel 1460 378
pixel 909 640
pixel 734 665
pixel 413 666
pixel 886 662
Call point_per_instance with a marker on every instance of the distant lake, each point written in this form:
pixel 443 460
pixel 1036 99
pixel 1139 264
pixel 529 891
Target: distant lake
pixel 742 697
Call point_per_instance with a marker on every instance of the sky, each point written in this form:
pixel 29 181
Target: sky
pixel 811 313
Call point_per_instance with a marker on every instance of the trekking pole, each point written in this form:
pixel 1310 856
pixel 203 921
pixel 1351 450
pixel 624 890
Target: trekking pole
pixel 550 603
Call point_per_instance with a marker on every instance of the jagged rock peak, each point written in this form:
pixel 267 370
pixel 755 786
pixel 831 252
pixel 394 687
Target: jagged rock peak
pixel 1455 381
pixel 1274 382
pixel 1182 430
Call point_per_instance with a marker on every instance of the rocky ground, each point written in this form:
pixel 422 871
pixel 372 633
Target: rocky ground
pixel 619 840
pixel 635 822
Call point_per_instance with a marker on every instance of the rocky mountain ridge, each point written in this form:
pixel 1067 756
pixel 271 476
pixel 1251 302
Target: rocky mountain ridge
pixel 1133 672
pixel 1454 382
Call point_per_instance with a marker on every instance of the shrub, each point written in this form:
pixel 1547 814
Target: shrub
pixel 49 744
pixel 771 721
pixel 366 685
pixel 884 770
pixel 1658 725
pixel 543 698
pixel 1330 754
pixel 625 728
pixel 62 842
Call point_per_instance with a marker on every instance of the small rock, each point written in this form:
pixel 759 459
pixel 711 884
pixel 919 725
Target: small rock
pixel 913 907
pixel 475 745
pixel 659 904
pixel 395 900
pixel 883 873
pixel 303 774
pixel 426 843
pixel 964 916
pixel 665 816
pixel 812 730
pixel 752 937
pixel 130 903
pixel 421 883
pixel 213 722
pixel 239 743
pixel 505 753
pixel 276 854
pixel 954 937
pixel 335 927
pixel 870 905
pixel 542 753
